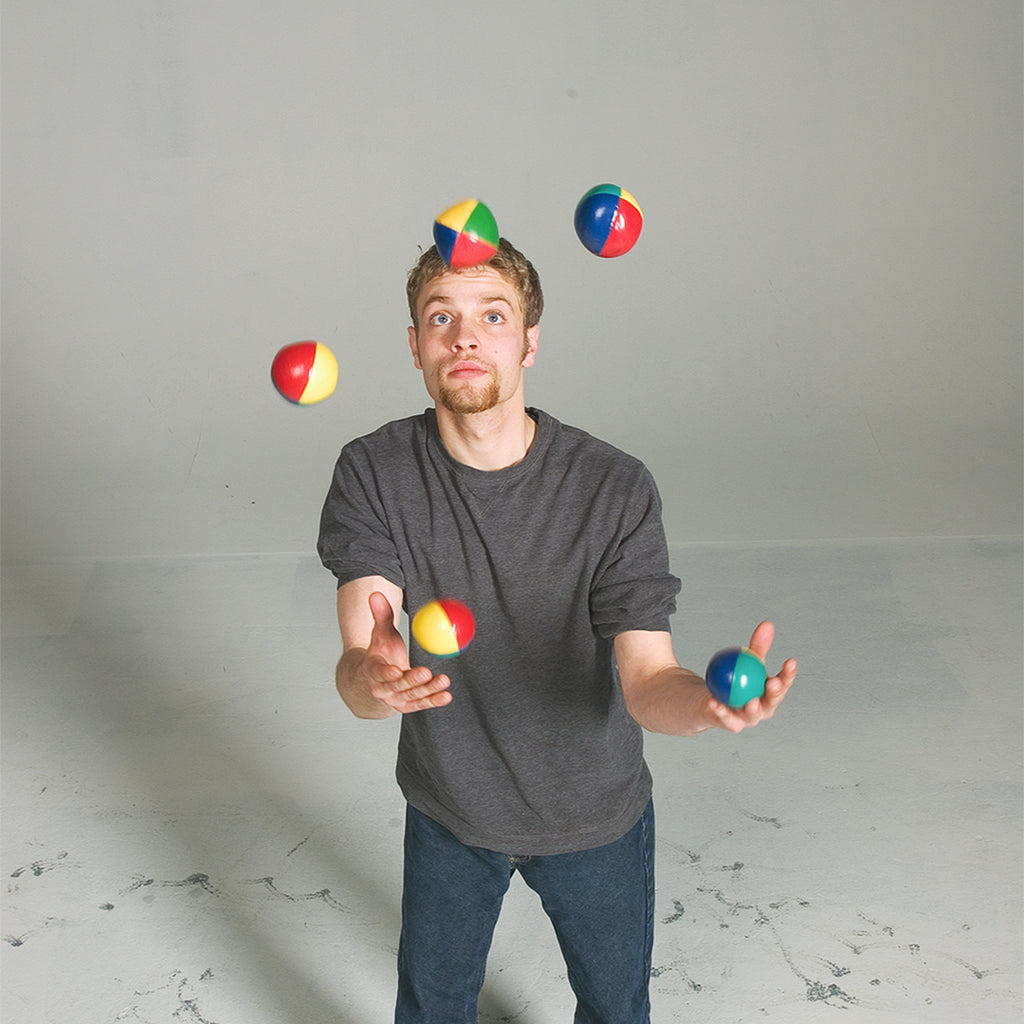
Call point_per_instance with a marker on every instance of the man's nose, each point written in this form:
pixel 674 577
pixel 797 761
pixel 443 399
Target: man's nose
pixel 464 337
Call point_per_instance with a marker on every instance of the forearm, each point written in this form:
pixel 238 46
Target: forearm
pixel 674 701
pixel 354 687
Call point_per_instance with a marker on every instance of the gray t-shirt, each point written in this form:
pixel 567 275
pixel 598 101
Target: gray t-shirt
pixel 555 556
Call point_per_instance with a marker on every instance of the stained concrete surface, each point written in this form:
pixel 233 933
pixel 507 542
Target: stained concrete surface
pixel 195 829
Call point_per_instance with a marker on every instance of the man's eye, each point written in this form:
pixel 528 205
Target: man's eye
pixel 494 318
pixel 440 320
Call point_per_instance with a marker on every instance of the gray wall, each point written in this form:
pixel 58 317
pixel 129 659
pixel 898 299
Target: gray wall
pixel 818 334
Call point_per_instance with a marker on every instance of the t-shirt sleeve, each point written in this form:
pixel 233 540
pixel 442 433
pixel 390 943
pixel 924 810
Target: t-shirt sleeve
pixel 634 588
pixel 355 538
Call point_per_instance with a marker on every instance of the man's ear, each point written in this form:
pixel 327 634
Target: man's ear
pixel 415 347
pixel 532 337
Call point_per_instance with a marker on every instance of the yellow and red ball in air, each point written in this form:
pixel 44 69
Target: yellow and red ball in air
pixel 444 627
pixel 305 372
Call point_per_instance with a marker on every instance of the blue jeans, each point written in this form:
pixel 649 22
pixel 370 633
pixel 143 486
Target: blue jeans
pixel 600 901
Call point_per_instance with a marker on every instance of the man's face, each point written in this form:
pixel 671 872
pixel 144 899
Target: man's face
pixel 471 344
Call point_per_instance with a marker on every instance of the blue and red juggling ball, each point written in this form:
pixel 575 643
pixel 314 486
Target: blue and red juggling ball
pixel 466 234
pixel 608 221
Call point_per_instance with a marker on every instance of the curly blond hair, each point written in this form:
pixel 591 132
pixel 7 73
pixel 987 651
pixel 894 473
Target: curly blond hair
pixel 507 261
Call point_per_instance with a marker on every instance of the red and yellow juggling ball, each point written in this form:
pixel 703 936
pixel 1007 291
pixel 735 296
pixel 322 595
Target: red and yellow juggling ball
pixel 466 234
pixel 444 627
pixel 305 372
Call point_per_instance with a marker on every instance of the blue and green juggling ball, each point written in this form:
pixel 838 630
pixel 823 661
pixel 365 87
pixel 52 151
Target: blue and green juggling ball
pixel 736 675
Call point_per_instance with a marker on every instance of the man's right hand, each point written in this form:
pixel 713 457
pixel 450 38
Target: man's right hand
pixel 376 680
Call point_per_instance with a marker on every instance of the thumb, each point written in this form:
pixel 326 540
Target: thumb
pixel 383 615
pixel 761 640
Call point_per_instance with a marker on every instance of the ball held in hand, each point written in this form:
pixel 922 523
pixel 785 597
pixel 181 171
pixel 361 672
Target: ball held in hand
pixel 736 675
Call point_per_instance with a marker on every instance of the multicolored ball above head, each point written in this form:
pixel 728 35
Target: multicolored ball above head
pixel 608 221
pixel 305 372
pixel 466 234
pixel 444 627
pixel 736 675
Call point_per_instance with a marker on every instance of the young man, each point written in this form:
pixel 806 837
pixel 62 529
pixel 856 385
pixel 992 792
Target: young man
pixel 525 753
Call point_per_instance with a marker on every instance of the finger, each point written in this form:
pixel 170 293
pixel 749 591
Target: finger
pixel 414 683
pixel 776 687
pixel 756 710
pixel 787 673
pixel 433 700
pixel 726 717
pixel 761 639
pixel 431 692
pixel 389 679
pixel 383 671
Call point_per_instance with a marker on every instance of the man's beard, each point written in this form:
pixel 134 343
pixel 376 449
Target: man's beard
pixel 467 400
pixel 470 398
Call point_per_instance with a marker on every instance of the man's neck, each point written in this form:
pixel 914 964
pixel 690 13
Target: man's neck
pixel 491 440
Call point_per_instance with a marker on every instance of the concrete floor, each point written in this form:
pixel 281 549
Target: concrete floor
pixel 196 831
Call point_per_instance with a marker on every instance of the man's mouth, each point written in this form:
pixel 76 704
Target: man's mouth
pixel 467 371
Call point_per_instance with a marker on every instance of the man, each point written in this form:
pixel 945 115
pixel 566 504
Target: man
pixel 525 754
